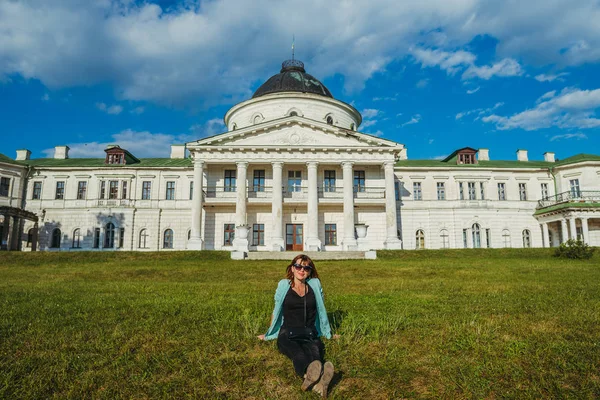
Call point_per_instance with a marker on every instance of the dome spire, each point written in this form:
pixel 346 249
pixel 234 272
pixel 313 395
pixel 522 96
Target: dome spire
pixel 293 45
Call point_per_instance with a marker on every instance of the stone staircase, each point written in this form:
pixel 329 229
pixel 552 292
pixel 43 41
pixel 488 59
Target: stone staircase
pixel 315 255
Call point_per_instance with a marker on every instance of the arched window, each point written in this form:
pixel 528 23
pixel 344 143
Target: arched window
pixel 30 236
pixel 257 119
pixel 168 239
pixel 76 238
pixel 352 127
pixel 234 126
pixel 526 238
pixel 293 114
pixel 445 238
pixel 109 236
pixel 476 231
pixel 55 243
pixel 329 120
pixel 143 244
pixel 506 237
pixel 420 239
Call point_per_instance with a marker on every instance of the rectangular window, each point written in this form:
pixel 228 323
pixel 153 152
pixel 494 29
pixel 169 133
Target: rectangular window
pixel 124 190
pixel 488 238
pixel 465 242
pixel 501 191
pixel 330 234
pixel 121 237
pixel 294 181
pixel 417 194
pixel 102 189
pixel 81 190
pixel 229 234
pixel 192 190
pixel 113 190
pixel 472 191
pixel 230 180
pixel 441 191
pixel 329 181
pixel 574 185
pixel 258 234
pixel 523 191
pixel 170 194
pixel 544 191
pixel 359 181
pixel 96 243
pixel 37 191
pixel 481 191
pixel 4 186
pixel 60 190
pixel 461 190
pixel 258 182
pixel 146 190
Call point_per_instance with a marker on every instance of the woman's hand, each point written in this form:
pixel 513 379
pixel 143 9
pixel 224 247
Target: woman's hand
pixel 261 337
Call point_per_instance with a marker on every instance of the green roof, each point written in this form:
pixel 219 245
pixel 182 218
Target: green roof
pixel 8 160
pixel 451 162
pixel 565 205
pixel 99 162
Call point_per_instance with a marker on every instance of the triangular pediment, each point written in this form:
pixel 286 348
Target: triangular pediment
pixel 294 131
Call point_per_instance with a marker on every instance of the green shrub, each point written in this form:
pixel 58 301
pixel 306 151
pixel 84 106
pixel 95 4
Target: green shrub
pixel 574 249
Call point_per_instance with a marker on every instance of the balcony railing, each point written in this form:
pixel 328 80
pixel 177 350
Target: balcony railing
pixel 295 192
pixel 583 196
pixel 115 203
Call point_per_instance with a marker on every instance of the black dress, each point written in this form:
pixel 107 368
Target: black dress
pixel 301 353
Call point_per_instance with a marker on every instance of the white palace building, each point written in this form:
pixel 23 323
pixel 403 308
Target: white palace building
pixel 292 172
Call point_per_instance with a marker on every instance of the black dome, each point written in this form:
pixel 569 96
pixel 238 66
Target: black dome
pixel 292 78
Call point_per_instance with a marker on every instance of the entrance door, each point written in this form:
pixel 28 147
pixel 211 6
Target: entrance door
pixel 294 237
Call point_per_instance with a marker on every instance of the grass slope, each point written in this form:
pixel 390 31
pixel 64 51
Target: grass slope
pixel 427 324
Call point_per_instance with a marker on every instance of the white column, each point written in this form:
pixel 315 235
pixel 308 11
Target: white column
pixel 546 235
pixel 313 243
pixel 349 242
pixel 196 242
pixel 391 218
pixel 573 228
pixel 240 242
pixel 277 242
pixel 585 230
pixel 564 230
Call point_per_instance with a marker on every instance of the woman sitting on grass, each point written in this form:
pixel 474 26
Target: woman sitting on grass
pixel 299 319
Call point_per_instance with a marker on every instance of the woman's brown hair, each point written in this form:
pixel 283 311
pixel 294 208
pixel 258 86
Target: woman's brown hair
pixel 301 258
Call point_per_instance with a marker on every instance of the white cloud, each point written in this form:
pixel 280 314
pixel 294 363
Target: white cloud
pixel 572 108
pixel 460 60
pixel 140 144
pixel 414 120
pixel 209 128
pixel 370 113
pixel 430 141
pixel 113 110
pixel 377 133
pixel 478 111
pixel 471 91
pixel 551 77
pixel 387 98
pixel 577 136
pixel 138 110
pixel 422 83
pixel 368 123
pixel 185 54
pixel 45 97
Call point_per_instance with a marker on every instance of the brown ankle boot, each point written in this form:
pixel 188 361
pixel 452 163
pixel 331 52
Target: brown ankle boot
pixel 313 373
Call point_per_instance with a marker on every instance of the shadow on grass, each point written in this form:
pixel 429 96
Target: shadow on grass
pixel 335 319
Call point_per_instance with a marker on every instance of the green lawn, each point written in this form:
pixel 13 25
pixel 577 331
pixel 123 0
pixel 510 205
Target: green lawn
pixel 427 324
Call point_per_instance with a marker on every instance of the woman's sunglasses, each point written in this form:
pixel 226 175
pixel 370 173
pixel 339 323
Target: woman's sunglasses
pixel 298 267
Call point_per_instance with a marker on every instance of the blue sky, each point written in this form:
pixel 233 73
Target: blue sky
pixel 435 76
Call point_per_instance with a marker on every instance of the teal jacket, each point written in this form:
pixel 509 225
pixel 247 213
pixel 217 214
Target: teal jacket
pixel 321 322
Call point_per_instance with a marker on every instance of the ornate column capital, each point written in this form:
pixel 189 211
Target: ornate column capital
pixel 347 164
pixel 242 164
pixel 277 164
pixel 312 164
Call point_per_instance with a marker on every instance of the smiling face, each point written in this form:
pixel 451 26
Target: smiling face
pixel 301 270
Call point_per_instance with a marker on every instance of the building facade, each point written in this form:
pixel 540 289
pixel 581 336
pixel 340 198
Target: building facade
pixel 293 173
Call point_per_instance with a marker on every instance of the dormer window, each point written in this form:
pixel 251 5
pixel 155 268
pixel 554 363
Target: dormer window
pixel 329 120
pixel 293 114
pixel 465 158
pixel 115 158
